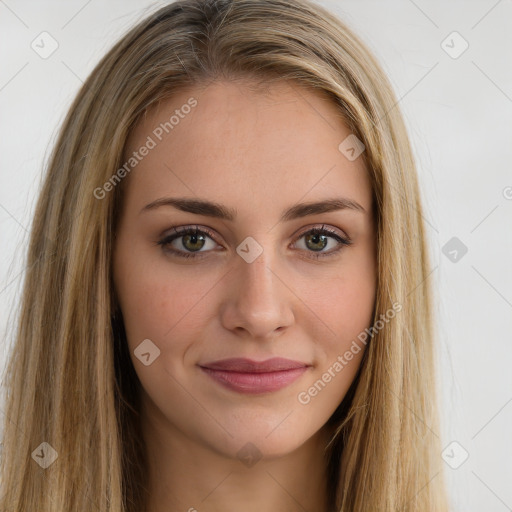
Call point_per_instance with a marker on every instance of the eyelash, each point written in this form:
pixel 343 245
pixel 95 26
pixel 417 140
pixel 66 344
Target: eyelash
pixel 182 231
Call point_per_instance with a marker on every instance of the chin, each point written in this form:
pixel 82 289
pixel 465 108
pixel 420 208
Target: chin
pixel 259 440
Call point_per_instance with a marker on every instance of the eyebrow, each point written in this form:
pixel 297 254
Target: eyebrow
pixel 212 209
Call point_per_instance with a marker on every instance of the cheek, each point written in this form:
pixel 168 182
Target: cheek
pixel 158 303
pixel 343 307
pixel 344 302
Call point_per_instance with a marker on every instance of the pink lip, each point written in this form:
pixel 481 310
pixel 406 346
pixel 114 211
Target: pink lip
pixel 247 376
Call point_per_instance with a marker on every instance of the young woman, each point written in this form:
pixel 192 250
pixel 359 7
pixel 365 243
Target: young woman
pixel 226 304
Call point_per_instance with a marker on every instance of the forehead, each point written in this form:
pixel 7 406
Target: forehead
pixel 277 143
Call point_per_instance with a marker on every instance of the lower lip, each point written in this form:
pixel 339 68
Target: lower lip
pixel 255 382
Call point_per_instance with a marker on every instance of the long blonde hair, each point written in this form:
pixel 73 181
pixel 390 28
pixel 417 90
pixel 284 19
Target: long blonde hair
pixel 70 381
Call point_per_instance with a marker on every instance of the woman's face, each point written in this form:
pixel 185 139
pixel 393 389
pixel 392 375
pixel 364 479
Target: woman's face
pixel 253 283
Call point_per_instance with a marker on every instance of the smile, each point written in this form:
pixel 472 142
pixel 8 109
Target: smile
pixel 255 382
pixel 246 376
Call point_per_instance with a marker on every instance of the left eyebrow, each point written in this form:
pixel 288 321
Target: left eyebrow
pixel 212 209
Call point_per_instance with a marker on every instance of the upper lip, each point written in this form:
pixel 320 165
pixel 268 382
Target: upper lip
pixel 240 364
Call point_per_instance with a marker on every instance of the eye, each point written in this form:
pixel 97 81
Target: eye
pixel 195 239
pixel 317 239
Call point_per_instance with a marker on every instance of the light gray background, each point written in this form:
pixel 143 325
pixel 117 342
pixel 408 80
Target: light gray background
pixel 459 115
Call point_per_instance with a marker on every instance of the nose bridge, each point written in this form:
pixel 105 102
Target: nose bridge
pixel 259 285
pixel 260 304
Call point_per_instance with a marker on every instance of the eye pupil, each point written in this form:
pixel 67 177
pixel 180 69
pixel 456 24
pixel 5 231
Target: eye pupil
pixel 316 237
pixel 193 238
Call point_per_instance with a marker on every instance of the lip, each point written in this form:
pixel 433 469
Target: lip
pixel 248 376
pixel 243 365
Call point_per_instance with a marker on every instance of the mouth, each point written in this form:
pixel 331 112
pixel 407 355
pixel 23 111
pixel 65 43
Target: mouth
pixel 253 377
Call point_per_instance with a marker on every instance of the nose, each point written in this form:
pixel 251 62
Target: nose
pixel 258 303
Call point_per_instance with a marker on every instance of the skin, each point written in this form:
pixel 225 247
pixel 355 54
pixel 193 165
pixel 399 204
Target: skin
pixel 258 153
